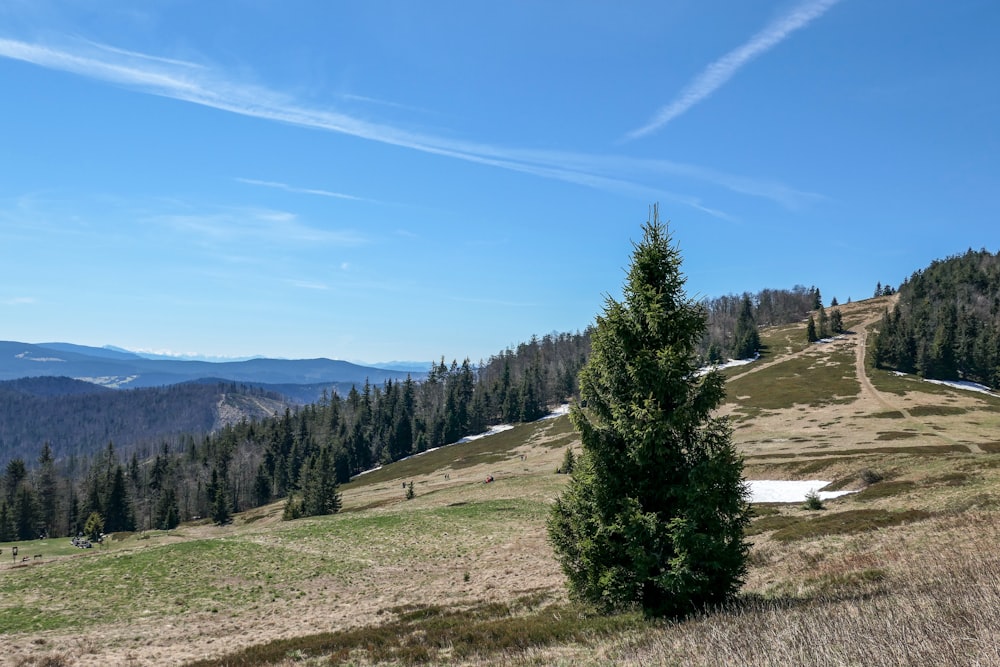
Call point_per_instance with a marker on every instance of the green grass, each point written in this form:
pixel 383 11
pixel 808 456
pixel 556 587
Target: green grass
pixel 814 380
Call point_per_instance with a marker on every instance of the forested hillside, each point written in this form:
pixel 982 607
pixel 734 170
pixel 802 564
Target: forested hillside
pixel 305 452
pixel 946 322
pixel 79 418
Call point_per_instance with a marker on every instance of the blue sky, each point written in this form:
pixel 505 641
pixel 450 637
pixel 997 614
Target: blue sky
pixel 380 180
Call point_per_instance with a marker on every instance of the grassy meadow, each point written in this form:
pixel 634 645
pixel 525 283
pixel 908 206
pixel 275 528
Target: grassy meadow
pixel 904 571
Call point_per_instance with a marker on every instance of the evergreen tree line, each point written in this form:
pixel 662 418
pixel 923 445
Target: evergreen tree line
pixel 733 321
pixel 77 417
pixel 302 455
pixel 946 322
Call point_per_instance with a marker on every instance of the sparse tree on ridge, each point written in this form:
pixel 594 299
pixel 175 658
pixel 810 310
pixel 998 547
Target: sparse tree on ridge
pixel 836 321
pixel 746 339
pixel 823 323
pixel 655 511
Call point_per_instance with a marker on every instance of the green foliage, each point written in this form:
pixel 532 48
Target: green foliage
pixel 219 493
pixel 946 323
pixel 93 527
pixel 746 339
pixel 811 334
pixel 813 501
pixel 293 508
pixel 568 462
pixel 410 493
pixel 836 321
pixel 654 512
pixel 168 515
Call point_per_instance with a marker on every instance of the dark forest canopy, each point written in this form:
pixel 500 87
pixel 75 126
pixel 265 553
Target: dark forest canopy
pixel 946 322
pixel 78 418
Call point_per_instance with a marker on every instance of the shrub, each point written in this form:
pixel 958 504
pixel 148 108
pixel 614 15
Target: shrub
pixel 813 501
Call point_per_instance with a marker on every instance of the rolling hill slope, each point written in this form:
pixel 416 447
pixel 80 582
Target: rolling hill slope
pixel 904 571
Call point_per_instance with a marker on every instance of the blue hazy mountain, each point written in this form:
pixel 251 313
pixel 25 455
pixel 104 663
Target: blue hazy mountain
pixel 123 369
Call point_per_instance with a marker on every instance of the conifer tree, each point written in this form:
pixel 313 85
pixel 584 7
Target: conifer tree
pixel 823 323
pixel 836 321
pixel 746 339
pixel 118 515
pixel 655 509
pixel 811 330
pixel 168 515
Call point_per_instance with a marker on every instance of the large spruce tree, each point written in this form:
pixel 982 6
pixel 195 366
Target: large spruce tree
pixel 655 510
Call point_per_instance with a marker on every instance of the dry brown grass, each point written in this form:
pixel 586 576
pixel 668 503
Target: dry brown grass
pixel 837 591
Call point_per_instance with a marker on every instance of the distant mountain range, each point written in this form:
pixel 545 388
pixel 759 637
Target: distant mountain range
pixel 119 369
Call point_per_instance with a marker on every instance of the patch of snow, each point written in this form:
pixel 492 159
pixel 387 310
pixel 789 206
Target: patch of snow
pixel 788 491
pixel 732 363
pixel 955 384
pixel 964 384
pixel 27 355
pixel 493 430
pixel 558 412
pixel 111 381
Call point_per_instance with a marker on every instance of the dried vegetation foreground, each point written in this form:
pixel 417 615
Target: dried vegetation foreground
pixel 903 572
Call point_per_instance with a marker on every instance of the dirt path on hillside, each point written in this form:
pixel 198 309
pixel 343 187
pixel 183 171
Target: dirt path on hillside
pixel 869 392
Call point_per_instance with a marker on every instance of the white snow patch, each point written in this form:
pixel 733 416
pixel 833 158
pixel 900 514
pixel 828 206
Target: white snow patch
pixel 558 412
pixel 29 357
pixel 964 384
pixel 955 384
pixel 111 381
pixel 788 491
pixel 732 363
pixel 493 430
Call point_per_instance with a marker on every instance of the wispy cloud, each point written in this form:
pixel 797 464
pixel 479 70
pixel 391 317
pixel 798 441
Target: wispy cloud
pixel 384 103
pixel 201 85
pixel 279 227
pixel 297 190
pixel 723 69
pixel 19 301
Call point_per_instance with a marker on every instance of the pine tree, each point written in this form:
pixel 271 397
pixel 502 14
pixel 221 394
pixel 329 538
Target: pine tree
pixel 836 321
pixel 219 497
pixel 118 515
pixel 25 513
pixel 746 339
pixel 568 462
pixel 168 515
pixel 47 488
pixel 811 330
pixel 655 510
pixel 7 532
pixel 93 527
